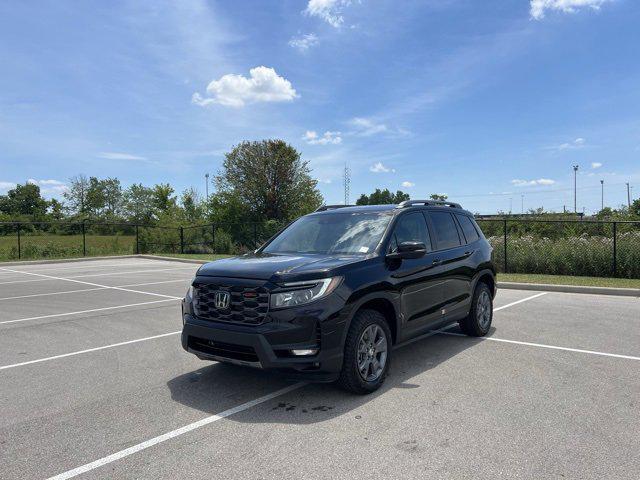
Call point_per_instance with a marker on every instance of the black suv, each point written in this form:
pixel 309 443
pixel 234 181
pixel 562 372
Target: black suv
pixel 327 297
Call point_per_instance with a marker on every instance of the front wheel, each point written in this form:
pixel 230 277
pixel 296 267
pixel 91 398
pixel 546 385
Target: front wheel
pixel 478 322
pixel 367 353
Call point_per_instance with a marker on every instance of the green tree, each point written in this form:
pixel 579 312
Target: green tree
pixel 163 198
pixel 438 196
pixel 112 192
pixel 139 203
pixel 76 195
pixel 635 208
pixel 24 200
pixel 382 197
pixel 269 180
pixel 192 206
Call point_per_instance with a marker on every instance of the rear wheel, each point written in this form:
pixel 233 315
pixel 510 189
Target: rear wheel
pixel 478 322
pixel 367 353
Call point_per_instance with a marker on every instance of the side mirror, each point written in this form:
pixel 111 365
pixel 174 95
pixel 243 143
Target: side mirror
pixel 408 250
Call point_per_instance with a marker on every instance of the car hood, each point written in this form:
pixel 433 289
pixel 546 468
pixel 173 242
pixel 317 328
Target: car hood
pixel 280 267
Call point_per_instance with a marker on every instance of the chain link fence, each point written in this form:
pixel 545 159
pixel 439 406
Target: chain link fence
pixel 42 240
pixel 565 247
pixel 553 247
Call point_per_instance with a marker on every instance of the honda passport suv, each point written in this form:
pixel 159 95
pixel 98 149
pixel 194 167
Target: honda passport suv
pixel 328 297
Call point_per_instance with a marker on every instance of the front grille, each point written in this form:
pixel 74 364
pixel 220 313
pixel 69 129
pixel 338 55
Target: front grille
pixel 248 305
pixel 224 350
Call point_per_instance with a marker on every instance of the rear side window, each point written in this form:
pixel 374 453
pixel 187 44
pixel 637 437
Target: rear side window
pixel 469 230
pixel 410 228
pixel 445 230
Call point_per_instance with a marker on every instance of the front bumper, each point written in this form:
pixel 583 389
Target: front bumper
pixel 318 325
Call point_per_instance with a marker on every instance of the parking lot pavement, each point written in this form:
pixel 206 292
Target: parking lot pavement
pixel 452 407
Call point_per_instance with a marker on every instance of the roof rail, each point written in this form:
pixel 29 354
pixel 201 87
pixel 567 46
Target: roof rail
pixel 409 203
pixel 331 207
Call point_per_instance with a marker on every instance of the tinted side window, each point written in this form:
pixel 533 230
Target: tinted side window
pixel 469 230
pixel 445 232
pixel 410 228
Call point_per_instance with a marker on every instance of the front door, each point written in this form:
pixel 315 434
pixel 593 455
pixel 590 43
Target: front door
pixel 415 279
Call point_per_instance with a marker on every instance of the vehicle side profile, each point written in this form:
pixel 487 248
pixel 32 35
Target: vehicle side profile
pixel 328 297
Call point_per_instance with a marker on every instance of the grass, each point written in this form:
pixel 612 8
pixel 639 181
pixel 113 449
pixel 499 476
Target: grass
pixel 569 280
pixel 35 247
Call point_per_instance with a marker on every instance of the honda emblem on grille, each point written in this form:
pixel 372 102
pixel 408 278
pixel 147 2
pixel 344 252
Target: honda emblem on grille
pixel 222 300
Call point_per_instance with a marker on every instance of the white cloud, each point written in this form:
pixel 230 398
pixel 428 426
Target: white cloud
pixel 264 85
pixel 304 42
pixel 379 167
pixel 312 138
pixel 49 187
pixel 407 184
pixel 4 186
pixel 595 165
pixel 530 183
pixel 572 145
pixel 120 156
pixel 328 10
pixel 366 127
pixel 539 7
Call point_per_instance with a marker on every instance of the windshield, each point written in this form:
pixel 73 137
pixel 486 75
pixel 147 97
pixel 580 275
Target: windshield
pixel 346 233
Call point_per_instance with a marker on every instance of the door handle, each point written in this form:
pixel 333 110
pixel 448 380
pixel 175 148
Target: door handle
pixel 436 262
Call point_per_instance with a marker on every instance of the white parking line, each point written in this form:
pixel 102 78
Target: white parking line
pixel 88 350
pixel 87 311
pixel 94 289
pixel 519 301
pixel 542 345
pixel 70 279
pixel 88 275
pixel 174 433
pixel 206 421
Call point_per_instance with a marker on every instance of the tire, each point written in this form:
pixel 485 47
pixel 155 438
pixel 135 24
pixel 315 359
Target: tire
pixel 368 329
pixel 478 322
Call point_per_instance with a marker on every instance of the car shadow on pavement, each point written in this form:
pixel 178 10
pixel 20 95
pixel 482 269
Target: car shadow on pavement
pixel 315 402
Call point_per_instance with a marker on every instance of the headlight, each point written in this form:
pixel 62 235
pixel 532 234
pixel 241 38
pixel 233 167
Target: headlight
pixel 304 292
pixel 189 292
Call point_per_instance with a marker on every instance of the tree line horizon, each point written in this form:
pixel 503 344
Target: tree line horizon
pixel 259 181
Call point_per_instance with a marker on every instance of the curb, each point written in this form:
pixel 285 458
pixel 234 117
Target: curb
pixel 173 259
pixel 545 287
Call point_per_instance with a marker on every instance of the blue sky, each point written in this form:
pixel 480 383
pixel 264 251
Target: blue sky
pixel 490 102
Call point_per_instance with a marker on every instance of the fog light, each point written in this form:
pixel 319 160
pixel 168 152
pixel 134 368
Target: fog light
pixel 304 352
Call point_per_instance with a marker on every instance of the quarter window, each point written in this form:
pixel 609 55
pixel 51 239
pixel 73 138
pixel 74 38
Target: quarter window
pixel 445 232
pixel 470 232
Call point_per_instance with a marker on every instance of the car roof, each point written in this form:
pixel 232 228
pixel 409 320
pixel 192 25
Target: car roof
pixel 391 208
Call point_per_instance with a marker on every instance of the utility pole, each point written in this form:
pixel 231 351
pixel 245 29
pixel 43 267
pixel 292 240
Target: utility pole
pixel 602 194
pixel 510 205
pixel 628 196
pixel 347 183
pixel 206 186
pixel 522 204
pixel 575 189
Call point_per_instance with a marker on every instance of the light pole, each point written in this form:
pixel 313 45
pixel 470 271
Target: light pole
pixel 522 204
pixel 602 194
pixel 575 188
pixel 628 196
pixel 510 205
pixel 206 186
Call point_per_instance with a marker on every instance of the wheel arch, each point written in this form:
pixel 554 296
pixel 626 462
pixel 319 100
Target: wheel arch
pixel 385 303
pixel 485 276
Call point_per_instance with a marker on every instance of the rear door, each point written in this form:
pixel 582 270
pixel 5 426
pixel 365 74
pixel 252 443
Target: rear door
pixel 452 255
pixel 414 279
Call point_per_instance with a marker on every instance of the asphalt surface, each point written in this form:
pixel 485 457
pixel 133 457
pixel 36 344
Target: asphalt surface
pixel 94 383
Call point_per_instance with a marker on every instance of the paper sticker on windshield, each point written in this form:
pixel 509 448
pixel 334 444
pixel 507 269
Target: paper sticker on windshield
pixel 363 249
